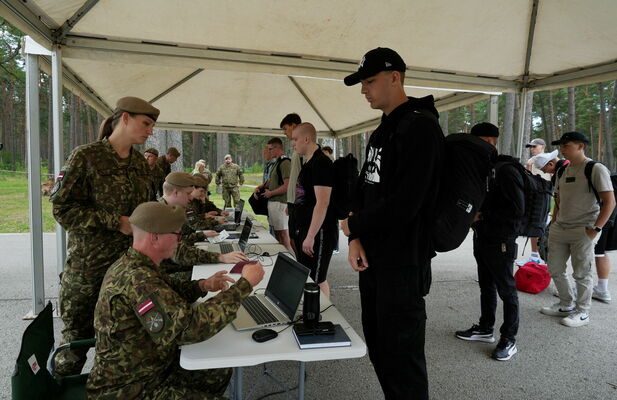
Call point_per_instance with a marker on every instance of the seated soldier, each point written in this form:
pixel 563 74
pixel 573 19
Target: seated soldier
pixel 177 190
pixel 143 315
pixel 200 202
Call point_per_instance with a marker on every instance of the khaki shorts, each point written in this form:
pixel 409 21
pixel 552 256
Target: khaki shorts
pixel 277 218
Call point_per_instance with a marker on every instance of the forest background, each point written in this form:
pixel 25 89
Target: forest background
pixel 588 108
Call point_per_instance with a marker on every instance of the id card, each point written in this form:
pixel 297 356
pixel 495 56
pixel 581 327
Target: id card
pixel 218 238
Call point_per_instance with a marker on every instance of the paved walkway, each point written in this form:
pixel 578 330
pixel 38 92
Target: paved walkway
pixel 554 362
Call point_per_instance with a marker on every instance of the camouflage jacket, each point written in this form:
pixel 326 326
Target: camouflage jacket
pixel 202 207
pixel 94 189
pixel 206 174
pixel 229 175
pixel 186 254
pixel 158 177
pixel 164 165
pixel 142 316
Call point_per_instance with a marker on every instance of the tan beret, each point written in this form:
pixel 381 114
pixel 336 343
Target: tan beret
pixel 181 179
pixel 152 150
pixel 173 152
pixel 227 156
pixel 155 217
pixel 200 180
pixel 136 105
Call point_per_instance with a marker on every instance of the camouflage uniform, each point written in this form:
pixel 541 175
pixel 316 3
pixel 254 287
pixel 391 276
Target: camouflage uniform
pixel 94 189
pixel 141 318
pixel 158 177
pixel 165 167
pixel 206 174
pixel 202 207
pixel 229 175
pixel 187 255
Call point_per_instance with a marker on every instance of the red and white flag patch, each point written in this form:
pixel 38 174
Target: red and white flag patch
pixel 60 176
pixel 144 307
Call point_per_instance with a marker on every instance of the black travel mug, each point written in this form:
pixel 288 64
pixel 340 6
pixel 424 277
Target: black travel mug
pixel 310 309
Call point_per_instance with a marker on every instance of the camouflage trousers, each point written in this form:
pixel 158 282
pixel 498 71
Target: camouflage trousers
pixel 78 298
pixel 229 192
pixel 191 385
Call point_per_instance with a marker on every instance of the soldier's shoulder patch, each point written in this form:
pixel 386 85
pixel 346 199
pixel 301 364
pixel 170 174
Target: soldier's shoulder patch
pixel 151 315
pixel 58 183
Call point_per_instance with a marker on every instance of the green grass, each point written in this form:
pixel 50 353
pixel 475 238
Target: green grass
pixel 15 214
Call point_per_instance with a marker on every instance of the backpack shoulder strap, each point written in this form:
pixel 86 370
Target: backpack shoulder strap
pixel 588 171
pixel 278 168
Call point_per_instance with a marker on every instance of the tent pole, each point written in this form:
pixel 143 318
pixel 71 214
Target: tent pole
pixel 34 182
pixel 521 125
pixel 56 81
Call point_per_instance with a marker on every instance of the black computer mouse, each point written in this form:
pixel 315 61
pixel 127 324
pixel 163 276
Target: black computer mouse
pixel 263 335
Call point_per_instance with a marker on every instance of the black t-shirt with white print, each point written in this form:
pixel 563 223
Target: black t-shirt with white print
pixel 318 171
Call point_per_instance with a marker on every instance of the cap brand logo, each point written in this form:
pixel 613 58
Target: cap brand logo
pixel 362 61
pixel 388 64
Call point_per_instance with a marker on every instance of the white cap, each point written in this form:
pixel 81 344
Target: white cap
pixel 542 159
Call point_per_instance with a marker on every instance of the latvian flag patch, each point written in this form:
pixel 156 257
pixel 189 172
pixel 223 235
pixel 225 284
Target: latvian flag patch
pixel 60 176
pixel 144 307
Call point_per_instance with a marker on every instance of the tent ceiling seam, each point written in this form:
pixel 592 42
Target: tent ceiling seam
pixel 176 85
pixel 310 103
pixel 65 29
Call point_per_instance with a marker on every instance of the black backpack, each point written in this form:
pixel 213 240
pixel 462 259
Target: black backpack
pixel 345 177
pixel 260 204
pixel 538 193
pixel 469 163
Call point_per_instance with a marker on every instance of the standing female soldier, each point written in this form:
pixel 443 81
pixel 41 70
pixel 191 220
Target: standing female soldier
pixel 98 188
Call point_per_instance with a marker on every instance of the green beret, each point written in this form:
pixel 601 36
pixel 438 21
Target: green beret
pixel 155 217
pixel 136 105
pixel 172 151
pixel 152 150
pixel 181 179
pixel 200 180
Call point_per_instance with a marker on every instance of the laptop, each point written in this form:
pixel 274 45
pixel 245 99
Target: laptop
pixel 278 305
pixel 236 218
pixel 226 247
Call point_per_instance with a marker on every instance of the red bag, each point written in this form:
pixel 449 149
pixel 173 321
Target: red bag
pixel 532 278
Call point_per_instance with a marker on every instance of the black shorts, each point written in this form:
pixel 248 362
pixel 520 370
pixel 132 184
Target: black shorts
pixel 600 248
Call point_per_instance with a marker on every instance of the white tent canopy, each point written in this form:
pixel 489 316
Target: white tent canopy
pixel 240 66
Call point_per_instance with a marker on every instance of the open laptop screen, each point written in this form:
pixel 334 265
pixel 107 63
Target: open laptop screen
pixel 286 284
pixel 246 232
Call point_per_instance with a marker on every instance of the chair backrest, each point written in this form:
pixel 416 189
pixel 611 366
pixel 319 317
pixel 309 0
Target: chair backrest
pixel 31 380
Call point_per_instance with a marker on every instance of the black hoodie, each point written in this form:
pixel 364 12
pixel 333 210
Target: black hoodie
pixel 394 201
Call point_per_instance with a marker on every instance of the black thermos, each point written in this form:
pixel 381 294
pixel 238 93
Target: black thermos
pixel 310 309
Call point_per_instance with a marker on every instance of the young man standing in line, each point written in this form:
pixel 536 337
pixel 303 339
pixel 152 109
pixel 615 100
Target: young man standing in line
pixel 314 222
pixel 577 222
pixel 288 124
pixel 394 264
pixel 536 147
pixel 494 248
pixel 276 192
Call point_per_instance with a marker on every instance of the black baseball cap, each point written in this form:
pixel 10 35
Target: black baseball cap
pixel 485 129
pixel 375 61
pixel 571 137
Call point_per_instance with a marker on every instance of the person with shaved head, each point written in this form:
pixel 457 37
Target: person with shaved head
pixel 314 222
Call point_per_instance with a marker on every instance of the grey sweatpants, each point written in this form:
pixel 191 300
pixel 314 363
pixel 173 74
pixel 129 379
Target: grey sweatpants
pixel 573 243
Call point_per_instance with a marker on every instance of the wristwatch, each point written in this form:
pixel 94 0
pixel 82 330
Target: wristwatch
pixel 597 229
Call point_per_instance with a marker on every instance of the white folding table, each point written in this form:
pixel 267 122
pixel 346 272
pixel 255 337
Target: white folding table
pixel 233 349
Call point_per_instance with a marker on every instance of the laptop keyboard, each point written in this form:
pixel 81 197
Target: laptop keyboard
pixel 226 248
pixel 258 311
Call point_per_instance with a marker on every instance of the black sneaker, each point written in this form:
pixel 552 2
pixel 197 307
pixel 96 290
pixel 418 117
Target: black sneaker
pixel 505 349
pixel 476 333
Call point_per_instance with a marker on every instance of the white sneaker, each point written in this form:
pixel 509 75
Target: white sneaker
pixel 576 319
pixel 557 310
pixel 601 296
